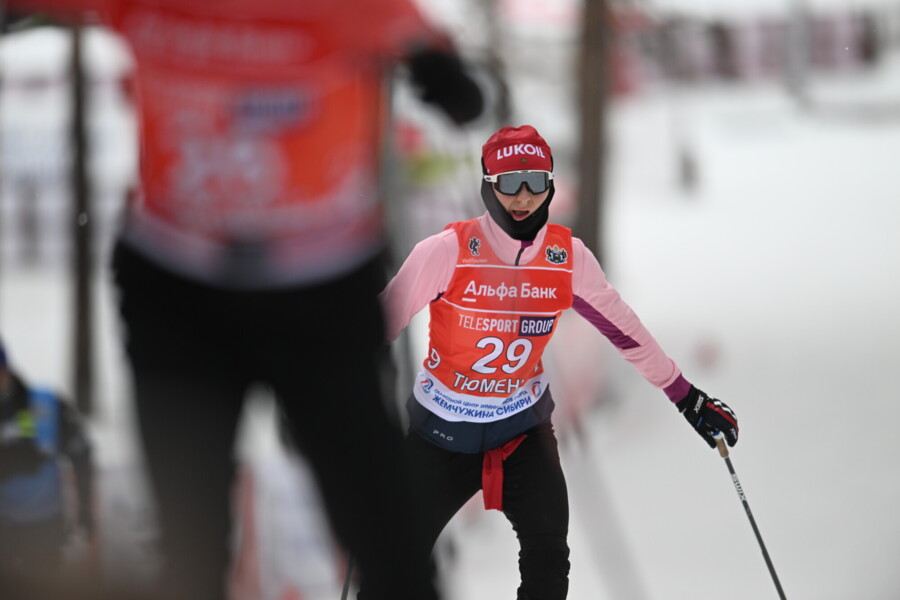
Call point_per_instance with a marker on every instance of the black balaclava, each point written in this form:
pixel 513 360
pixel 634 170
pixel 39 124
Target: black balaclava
pixel 512 149
pixel 524 230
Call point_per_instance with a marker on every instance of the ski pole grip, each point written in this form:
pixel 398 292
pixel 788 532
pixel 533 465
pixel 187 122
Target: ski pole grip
pixel 720 444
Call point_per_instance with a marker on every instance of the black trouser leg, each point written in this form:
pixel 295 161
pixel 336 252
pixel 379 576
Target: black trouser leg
pixel 189 387
pixel 329 389
pixel 443 482
pixel 535 500
pixel 188 451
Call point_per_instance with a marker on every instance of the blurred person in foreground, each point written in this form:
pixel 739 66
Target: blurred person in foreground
pixel 480 409
pixel 252 256
pixel 43 511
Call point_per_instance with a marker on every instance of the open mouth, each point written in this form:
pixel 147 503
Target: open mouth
pixel 518 215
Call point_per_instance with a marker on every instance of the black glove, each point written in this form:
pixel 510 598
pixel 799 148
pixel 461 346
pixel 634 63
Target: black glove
pixel 442 80
pixel 709 417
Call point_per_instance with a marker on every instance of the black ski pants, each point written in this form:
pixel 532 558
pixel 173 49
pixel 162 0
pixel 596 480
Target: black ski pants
pixel 195 350
pixel 535 501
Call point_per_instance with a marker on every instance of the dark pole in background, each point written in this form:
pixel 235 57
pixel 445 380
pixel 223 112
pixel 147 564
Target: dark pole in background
pixel 593 78
pixel 797 43
pixel 2 33
pixel 82 267
pixel 495 66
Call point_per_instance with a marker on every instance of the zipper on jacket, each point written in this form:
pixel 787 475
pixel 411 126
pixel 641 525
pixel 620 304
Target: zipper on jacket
pixel 524 244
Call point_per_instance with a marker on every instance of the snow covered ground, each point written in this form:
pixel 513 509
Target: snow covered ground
pixel 773 283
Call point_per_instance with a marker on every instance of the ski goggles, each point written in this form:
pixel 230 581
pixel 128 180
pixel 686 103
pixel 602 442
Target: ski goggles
pixel 510 183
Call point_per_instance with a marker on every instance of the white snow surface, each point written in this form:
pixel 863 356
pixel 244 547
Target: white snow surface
pixel 773 283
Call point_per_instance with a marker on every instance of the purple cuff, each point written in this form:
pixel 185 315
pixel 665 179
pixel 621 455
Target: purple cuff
pixel 678 389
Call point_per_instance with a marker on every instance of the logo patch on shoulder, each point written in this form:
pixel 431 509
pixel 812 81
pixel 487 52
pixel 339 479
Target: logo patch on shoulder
pixel 556 255
pixel 474 245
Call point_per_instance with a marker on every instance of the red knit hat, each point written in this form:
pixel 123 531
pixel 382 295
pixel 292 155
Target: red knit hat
pixel 516 149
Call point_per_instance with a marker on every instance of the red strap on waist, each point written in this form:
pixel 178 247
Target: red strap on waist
pixel 492 473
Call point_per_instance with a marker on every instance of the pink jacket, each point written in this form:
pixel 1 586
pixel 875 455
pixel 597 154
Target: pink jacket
pixel 429 268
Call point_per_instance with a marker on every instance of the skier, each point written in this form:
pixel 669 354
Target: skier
pixel 41 435
pixel 251 256
pixel 480 408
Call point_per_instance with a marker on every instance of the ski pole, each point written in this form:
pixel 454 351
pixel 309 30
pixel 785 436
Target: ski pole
pixel 723 452
pixel 346 589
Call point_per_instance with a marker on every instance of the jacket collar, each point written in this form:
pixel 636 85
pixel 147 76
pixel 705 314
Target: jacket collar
pixel 507 248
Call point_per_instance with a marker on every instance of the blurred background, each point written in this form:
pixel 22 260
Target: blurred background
pixel 733 166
